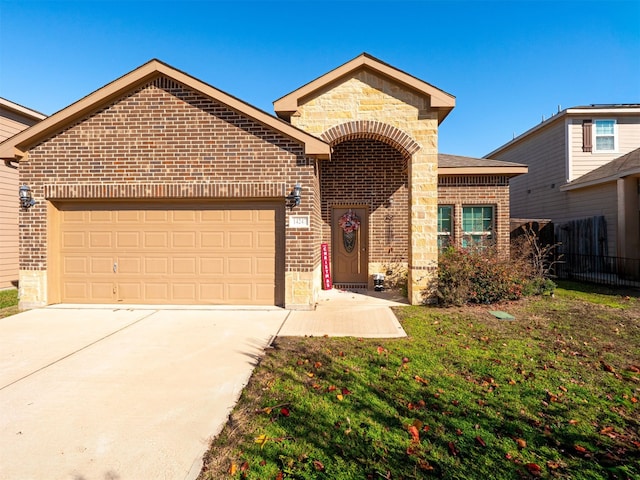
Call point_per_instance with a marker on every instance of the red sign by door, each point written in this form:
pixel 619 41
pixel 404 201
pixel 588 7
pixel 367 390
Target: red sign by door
pixel 326 271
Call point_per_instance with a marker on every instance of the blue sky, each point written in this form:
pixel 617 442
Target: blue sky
pixel 508 63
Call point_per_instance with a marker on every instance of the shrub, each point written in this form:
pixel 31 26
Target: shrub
pixel 477 275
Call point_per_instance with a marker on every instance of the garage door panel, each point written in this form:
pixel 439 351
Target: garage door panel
pixel 183 240
pixel 128 216
pixel 128 239
pixel 241 216
pixel 217 216
pixel 74 240
pixel 156 265
pixel 129 265
pixel 75 265
pixel 239 266
pixel 184 292
pixel 211 266
pixel 155 239
pixel 212 239
pixel 264 266
pixel 100 239
pixel 156 292
pixel 102 291
pixel 240 240
pixel 185 265
pixel 265 240
pixel 100 265
pixel 101 216
pixel 216 254
pixel 155 216
pixel 129 291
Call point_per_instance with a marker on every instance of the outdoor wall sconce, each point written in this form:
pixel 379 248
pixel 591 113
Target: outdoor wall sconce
pixel 293 199
pixel 26 200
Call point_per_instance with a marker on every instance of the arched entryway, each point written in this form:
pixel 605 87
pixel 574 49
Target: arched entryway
pixel 364 202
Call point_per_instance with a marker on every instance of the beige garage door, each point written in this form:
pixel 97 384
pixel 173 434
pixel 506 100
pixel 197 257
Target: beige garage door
pixel 167 254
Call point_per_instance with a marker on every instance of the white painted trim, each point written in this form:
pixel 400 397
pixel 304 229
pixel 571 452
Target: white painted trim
pixel 595 138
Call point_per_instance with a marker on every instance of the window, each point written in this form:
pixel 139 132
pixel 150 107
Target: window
pixel 445 223
pixel 477 225
pixel 605 135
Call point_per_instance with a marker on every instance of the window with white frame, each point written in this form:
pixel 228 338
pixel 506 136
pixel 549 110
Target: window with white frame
pixel 604 135
pixel 477 225
pixel 445 226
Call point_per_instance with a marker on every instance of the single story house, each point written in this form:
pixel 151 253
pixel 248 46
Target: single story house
pixel 159 188
pixel 13 119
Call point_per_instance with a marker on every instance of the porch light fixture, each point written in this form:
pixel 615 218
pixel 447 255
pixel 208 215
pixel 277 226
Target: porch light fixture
pixel 293 199
pixel 26 200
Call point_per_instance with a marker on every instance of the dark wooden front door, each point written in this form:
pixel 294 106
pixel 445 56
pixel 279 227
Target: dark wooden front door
pixel 350 244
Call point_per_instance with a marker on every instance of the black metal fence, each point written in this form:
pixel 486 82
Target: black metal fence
pixel 613 271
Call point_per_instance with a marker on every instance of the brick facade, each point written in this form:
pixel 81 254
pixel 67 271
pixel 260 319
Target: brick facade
pixel 478 190
pixel 166 141
pixel 365 135
pixel 370 173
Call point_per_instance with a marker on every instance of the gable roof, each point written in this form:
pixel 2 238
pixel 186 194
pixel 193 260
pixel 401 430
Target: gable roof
pixel 17 146
pixel 459 165
pixel 20 110
pixel 440 100
pixel 623 166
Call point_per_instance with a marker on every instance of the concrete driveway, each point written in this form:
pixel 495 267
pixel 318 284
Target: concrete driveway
pixel 121 393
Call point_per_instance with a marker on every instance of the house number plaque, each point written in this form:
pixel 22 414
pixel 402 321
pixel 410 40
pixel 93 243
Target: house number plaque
pixel 299 221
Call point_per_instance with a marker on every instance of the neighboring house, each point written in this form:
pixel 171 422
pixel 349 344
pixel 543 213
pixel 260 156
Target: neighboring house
pixel 13 119
pixel 159 188
pixel 584 172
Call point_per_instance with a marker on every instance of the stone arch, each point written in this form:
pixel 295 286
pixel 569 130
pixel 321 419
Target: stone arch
pixel 373 130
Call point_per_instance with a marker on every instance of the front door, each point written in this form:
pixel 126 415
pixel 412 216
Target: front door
pixel 350 244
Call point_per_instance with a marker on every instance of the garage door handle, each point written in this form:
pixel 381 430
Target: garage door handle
pixel 115 267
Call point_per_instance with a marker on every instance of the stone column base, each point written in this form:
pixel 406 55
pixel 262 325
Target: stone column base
pixel 32 289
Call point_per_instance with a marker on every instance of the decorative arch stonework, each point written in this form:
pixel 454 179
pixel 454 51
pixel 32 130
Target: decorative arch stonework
pixel 373 130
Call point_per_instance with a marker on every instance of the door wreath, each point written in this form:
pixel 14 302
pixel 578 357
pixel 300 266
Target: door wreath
pixel 349 223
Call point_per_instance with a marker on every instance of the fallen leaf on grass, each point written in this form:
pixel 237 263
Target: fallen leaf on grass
pixel 317 365
pixel 318 465
pixel 284 411
pixel 279 476
pixel 480 441
pixel 452 449
pixel 424 465
pixel 261 440
pixel 233 468
pixel 310 374
pixel 345 391
pixel 534 469
pixel 633 368
pixel 380 350
pixel 244 467
pixel 340 397
pixel 421 380
pixel 521 443
pixel 415 436
pixel 607 367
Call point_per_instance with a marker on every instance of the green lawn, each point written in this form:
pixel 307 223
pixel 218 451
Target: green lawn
pixel 553 394
pixel 8 302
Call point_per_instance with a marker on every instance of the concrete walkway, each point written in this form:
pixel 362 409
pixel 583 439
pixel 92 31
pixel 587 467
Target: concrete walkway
pixel 343 313
pixel 136 392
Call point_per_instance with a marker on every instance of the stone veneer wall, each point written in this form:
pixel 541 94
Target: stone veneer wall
pixel 369 96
